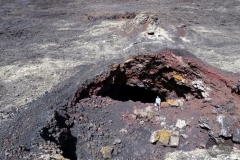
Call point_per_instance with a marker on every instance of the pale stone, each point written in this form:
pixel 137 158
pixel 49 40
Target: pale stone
pixel 154 137
pixel 174 141
pixel 117 141
pixel 172 102
pixel 123 131
pixel 163 124
pixel 106 152
pixel 181 124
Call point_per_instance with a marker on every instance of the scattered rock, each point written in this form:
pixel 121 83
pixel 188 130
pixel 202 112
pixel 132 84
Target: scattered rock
pixel 174 139
pixel 107 152
pixel 154 137
pixel 224 126
pixel 153 19
pixel 141 122
pixel 221 149
pixel 236 88
pixel 172 103
pixel 140 113
pixel 181 124
pixel 236 135
pixel 209 100
pixel 175 102
pixel 123 131
pixel 164 137
pixel 161 136
pixel 229 107
pixel 117 141
pixel 198 84
pixel 203 123
pixel 141 19
pixel 148 113
pixel 184 136
pixel 165 104
pixel 200 154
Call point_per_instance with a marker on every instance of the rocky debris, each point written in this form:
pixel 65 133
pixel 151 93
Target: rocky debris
pixel 147 113
pixel 224 126
pixel 161 136
pixel 199 154
pixel 184 136
pixel 181 123
pixel 144 18
pixel 164 104
pixel 230 107
pixel 153 19
pixel 50 153
pixel 123 131
pixel 204 123
pixel 236 134
pixel 141 19
pixel 236 88
pixel 221 149
pixel 164 137
pixel 173 103
pixel 52 156
pixel 117 141
pixel 198 84
pixel 174 139
pixel 154 137
pixel 107 152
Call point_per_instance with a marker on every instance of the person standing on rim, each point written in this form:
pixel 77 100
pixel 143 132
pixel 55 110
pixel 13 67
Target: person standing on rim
pixel 158 102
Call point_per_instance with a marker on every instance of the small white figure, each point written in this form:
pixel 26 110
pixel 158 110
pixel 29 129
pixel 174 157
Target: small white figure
pixel 158 102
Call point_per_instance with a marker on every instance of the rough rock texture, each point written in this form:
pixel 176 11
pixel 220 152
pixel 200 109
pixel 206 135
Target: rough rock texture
pixel 224 126
pixel 174 139
pixel 236 135
pixel 200 154
pixel 164 137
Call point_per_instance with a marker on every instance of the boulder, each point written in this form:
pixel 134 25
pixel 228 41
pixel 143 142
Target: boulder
pixel 172 102
pixel 165 104
pixel 161 136
pixel 164 137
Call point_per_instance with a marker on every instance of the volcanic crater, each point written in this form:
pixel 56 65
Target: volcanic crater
pixel 113 115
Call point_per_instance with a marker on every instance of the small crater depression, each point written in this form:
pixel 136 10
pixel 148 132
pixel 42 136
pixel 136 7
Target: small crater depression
pixel 143 78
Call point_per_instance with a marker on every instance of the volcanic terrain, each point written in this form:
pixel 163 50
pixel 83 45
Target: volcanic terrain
pixel 79 79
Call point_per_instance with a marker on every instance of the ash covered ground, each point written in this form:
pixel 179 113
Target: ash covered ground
pixel 79 79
